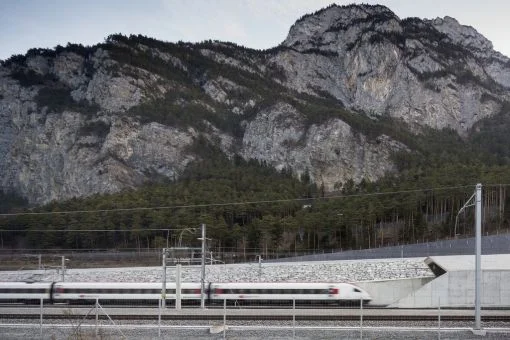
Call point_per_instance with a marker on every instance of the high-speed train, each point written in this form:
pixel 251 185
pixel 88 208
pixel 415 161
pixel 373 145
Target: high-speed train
pixel 248 292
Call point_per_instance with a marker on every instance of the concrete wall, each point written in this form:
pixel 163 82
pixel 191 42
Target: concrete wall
pixel 457 289
pixel 386 292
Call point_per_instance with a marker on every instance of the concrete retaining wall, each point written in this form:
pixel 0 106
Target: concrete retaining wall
pixel 457 289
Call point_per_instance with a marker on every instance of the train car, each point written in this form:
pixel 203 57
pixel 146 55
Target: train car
pixel 250 292
pixel 25 292
pixel 132 293
pixel 118 292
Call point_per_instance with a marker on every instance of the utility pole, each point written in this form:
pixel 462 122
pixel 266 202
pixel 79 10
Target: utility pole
pixel 478 266
pixel 163 287
pixel 478 253
pixel 63 268
pixel 260 265
pixel 202 276
pixel 178 286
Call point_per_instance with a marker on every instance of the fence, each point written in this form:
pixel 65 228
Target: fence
pixel 11 259
pixel 232 320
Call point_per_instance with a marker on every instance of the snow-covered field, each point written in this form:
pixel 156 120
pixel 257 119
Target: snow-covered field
pixel 331 271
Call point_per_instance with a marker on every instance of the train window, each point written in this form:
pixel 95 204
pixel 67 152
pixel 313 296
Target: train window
pixel 24 290
pixel 190 291
pixel 356 290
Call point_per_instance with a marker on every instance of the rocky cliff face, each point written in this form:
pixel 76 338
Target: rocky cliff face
pixel 331 153
pixel 79 121
pixel 438 72
pixel 57 154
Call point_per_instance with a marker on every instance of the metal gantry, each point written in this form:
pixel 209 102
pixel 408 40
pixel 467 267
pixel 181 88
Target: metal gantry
pixel 177 258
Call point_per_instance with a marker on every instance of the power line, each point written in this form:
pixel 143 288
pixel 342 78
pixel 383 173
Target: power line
pixel 190 206
pixel 90 230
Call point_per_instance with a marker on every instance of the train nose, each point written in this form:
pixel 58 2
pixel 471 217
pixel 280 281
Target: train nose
pixel 366 297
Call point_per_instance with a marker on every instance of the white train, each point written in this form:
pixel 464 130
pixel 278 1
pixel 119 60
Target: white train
pixel 248 292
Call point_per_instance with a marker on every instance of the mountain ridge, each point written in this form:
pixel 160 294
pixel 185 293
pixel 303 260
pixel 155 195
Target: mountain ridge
pixel 77 120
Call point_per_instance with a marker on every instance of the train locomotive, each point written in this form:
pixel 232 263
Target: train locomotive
pixel 214 292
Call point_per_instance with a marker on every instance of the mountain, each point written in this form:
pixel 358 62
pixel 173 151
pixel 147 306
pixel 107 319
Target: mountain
pixel 350 88
pixel 424 72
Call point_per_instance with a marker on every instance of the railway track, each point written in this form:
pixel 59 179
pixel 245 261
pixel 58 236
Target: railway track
pixel 255 318
pixel 298 314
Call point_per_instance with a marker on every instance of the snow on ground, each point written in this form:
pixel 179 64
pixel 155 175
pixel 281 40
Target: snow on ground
pixel 330 271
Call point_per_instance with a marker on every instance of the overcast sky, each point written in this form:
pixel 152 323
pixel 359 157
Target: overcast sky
pixel 256 24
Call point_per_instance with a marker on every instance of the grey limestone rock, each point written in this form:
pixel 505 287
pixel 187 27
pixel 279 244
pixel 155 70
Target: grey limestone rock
pixel 427 73
pixel 437 73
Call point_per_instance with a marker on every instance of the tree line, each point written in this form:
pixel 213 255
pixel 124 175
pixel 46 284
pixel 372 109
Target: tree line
pixel 249 206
